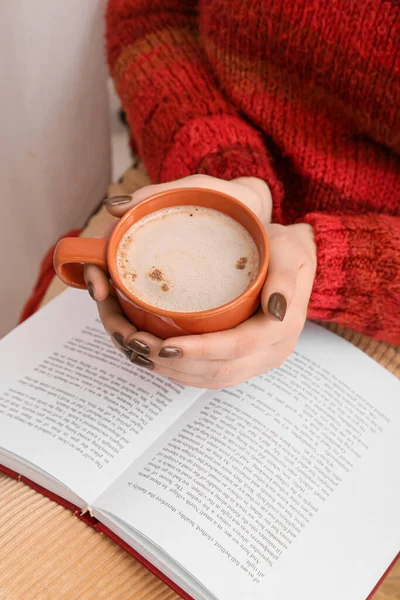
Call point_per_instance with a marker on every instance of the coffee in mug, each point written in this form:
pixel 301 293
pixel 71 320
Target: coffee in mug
pixel 187 259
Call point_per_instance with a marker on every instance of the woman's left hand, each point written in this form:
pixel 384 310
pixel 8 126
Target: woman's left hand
pixel 263 342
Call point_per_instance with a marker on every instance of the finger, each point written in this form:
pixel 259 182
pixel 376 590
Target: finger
pixel 115 323
pixel 260 202
pixel 187 379
pixel 143 343
pixel 202 378
pixel 207 346
pixel 286 259
pixel 201 368
pixel 248 338
pixel 224 374
pixel 119 205
pixel 97 282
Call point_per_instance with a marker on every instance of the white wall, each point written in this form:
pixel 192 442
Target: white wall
pixel 54 132
pixel 120 149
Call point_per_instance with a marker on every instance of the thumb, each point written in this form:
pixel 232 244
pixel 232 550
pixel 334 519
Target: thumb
pixel 283 271
pixel 119 205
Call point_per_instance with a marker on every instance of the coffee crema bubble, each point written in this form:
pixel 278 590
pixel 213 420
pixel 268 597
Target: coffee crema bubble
pixel 187 259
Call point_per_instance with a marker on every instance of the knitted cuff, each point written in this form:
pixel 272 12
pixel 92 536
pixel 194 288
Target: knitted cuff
pixel 222 146
pixel 332 242
pixel 357 278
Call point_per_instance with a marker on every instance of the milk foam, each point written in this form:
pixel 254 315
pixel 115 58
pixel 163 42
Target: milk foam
pixel 187 259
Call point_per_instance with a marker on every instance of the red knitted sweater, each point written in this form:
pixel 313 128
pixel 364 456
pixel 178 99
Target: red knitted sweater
pixel 303 94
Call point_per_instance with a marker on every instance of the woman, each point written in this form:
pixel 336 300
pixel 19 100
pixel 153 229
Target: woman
pixel 292 107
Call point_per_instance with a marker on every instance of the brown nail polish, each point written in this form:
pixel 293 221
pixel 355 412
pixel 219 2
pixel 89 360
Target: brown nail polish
pixel 117 200
pixel 141 361
pixel 119 339
pixel 139 347
pixel 90 289
pixel 170 352
pixel 277 306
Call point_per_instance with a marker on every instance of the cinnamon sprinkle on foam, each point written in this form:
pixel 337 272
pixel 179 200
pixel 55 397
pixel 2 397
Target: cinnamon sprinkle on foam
pixel 155 275
pixel 241 263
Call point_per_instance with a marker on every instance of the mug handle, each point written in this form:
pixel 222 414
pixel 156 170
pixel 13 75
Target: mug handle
pixel 72 254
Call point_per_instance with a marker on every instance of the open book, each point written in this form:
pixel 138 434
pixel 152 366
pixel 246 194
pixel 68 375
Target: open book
pixel 268 490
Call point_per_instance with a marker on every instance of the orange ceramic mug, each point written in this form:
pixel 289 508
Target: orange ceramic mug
pixel 72 253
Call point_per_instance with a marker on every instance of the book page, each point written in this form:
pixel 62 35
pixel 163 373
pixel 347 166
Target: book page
pixel 73 405
pixel 267 489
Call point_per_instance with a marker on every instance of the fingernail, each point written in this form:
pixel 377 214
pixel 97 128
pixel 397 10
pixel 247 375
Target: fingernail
pixel 139 347
pixel 117 200
pixel 90 289
pixel 119 339
pixel 141 361
pixel 277 306
pixel 170 352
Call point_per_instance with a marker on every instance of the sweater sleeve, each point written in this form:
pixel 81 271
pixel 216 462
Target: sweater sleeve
pixel 358 274
pixel 181 123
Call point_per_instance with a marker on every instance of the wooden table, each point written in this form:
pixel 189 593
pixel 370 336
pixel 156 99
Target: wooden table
pixel 46 553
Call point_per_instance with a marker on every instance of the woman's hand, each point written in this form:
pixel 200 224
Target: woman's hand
pixel 261 343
